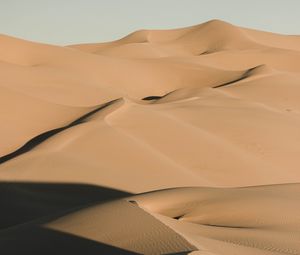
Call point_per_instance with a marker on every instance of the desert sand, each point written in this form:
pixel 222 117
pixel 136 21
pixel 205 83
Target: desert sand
pixel 182 141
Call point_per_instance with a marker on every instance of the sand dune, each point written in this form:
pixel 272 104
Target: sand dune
pixel 209 112
pixel 231 221
pixel 208 220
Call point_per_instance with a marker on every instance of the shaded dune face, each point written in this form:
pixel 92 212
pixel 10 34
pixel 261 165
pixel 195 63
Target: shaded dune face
pixel 213 109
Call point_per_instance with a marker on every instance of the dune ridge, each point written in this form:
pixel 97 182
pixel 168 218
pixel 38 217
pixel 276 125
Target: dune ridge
pixel 182 141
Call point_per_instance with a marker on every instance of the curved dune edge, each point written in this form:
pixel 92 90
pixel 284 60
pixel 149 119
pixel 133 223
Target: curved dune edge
pixel 219 221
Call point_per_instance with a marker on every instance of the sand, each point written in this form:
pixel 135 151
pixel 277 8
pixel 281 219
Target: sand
pixel 182 141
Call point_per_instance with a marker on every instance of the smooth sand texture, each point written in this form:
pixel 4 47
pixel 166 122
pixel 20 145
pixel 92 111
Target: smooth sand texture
pixel 202 110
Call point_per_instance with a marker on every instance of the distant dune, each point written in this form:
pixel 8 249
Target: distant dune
pixel 183 141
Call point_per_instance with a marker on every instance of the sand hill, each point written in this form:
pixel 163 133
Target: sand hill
pixel 181 141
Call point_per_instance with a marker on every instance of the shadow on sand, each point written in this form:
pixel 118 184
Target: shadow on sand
pixel 35 141
pixel 25 205
pixel 26 201
pixel 37 240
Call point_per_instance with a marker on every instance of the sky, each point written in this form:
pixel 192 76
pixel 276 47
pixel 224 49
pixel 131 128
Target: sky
pixel 64 22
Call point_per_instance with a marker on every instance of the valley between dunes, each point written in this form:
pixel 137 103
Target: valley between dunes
pixel 182 141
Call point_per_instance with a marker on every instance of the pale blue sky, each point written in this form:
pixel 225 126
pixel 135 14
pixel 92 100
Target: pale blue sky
pixel 76 21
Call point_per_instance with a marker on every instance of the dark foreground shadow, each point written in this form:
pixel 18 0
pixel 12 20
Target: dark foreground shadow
pixel 36 240
pixel 25 201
